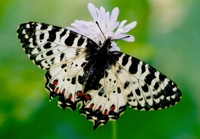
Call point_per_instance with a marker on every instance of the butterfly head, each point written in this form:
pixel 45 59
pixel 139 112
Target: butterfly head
pixel 107 43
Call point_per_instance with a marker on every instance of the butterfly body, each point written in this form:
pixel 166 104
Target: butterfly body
pixel 103 81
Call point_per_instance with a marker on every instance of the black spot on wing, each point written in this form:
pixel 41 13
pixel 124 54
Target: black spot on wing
pixel 101 92
pixel 80 79
pixel 70 39
pixel 162 77
pixel 125 60
pixel 137 91
pixel 44 26
pixel 42 36
pixel 143 68
pixel 73 80
pixel 118 90
pixel 39 49
pixel 126 84
pixel 150 76
pixel 63 33
pixel 156 85
pixel 52 34
pixel 62 56
pixel 63 66
pixel 49 53
pixel 130 95
pixel 134 65
pixel 83 64
pixel 80 41
pixel 47 46
pixel 145 88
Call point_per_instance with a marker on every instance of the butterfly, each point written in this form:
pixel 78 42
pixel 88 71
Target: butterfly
pixel 104 82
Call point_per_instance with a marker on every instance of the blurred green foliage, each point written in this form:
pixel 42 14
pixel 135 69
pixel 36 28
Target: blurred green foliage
pixel 167 37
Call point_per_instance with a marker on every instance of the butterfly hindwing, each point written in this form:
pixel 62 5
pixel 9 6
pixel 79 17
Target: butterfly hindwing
pixel 106 103
pixel 62 81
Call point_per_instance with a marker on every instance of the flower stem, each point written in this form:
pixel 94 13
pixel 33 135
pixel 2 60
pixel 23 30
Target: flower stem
pixel 114 130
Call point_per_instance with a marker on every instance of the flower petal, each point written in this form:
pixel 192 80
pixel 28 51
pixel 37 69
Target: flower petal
pixel 92 10
pixel 129 26
pixel 108 24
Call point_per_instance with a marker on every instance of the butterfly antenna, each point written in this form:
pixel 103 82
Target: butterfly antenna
pixel 105 36
pixel 121 38
pixel 100 30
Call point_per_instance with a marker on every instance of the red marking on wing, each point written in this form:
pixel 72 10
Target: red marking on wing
pixel 63 91
pixel 79 94
pixel 91 106
pixel 112 108
pixel 70 96
pixel 87 97
pixel 105 112
pixel 99 108
pixel 55 82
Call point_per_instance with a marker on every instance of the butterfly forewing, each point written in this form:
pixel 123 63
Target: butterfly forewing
pixel 47 45
pixel 104 82
pixel 146 88
pixel 62 53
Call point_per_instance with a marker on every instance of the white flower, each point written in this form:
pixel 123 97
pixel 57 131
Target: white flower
pixel 108 24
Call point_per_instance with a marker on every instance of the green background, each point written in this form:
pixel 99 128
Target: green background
pixel 167 37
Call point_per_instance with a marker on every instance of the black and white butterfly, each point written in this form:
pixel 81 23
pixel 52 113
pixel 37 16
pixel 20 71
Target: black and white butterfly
pixel 103 81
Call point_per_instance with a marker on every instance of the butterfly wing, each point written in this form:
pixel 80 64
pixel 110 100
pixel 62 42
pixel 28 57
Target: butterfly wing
pixel 145 87
pixel 48 45
pixel 106 103
pixel 62 53
pixel 129 82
